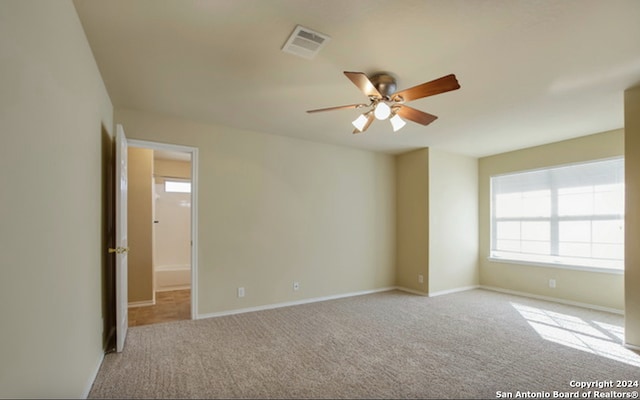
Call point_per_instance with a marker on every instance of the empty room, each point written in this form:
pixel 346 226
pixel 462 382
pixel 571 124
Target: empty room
pixel 320 199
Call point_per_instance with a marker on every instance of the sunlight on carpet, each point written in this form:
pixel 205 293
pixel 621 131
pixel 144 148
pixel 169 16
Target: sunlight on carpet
pixel 594 337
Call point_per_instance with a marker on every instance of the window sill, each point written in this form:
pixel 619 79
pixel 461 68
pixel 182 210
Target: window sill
pixel 556 265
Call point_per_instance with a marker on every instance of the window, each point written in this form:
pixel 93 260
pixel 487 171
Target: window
pixel 177 187
pixel 567 216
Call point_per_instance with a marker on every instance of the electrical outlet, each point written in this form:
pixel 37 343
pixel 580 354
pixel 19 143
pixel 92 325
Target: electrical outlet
pixel 240 292
pixel 552 283
pixel 420 278
pixel 296 285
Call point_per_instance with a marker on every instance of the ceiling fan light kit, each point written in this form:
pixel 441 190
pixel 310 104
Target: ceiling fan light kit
pixel 386 103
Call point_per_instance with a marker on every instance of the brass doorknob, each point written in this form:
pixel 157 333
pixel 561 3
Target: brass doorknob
pixel 118 250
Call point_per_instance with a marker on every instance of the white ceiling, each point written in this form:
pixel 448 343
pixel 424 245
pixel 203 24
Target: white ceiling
pixel 531 72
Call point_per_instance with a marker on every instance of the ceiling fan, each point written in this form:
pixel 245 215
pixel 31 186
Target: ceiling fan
pixel 385 102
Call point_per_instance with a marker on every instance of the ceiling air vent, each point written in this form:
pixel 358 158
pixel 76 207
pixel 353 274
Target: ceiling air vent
pixel 305 42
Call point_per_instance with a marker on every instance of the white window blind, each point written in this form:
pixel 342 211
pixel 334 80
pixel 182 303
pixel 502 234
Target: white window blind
pixel 569 215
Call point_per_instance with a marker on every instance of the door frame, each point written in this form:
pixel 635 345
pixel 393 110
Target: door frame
pixel 193 151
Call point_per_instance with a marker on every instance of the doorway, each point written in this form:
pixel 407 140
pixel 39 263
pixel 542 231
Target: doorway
pixel 162 233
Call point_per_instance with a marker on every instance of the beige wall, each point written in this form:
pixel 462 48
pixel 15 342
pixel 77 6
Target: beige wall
pixel 436 221
pixel 453 221
pixel 632 215
pixel 140 225
pixel 599 289
pixel 412 220
pixel 274 210
pixel 55 114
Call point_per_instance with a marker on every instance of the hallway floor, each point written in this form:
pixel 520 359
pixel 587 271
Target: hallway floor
pixel 173 305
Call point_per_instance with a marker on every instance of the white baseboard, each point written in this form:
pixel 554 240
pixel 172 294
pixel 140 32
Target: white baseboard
pixel 143 303
pixel 412 291
pixel 172 277
pixel 456 290
pixel 554 299
pixel 291 303
pixel 631 347
pixel 439 293
pixel 92 378
pixel 172 288
pixel 333 297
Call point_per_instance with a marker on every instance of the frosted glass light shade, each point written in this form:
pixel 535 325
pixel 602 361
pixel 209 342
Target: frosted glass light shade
pixel 382 111
pixel 397 123
pixel 360 122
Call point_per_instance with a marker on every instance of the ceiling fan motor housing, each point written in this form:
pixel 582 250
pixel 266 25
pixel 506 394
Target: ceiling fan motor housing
pixel 384 83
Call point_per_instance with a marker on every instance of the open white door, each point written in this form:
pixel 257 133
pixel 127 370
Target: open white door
pixel 122 249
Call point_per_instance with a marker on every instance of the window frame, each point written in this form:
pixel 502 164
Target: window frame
pixel 554 259
pixel 176 180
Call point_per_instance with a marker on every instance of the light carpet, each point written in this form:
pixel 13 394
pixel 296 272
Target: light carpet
pixel 474 344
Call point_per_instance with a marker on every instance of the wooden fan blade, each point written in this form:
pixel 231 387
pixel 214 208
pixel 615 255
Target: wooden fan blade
pixel 436 86
pixel 416 115
pixel 363 83
pixel 370 119
pixel 337 108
